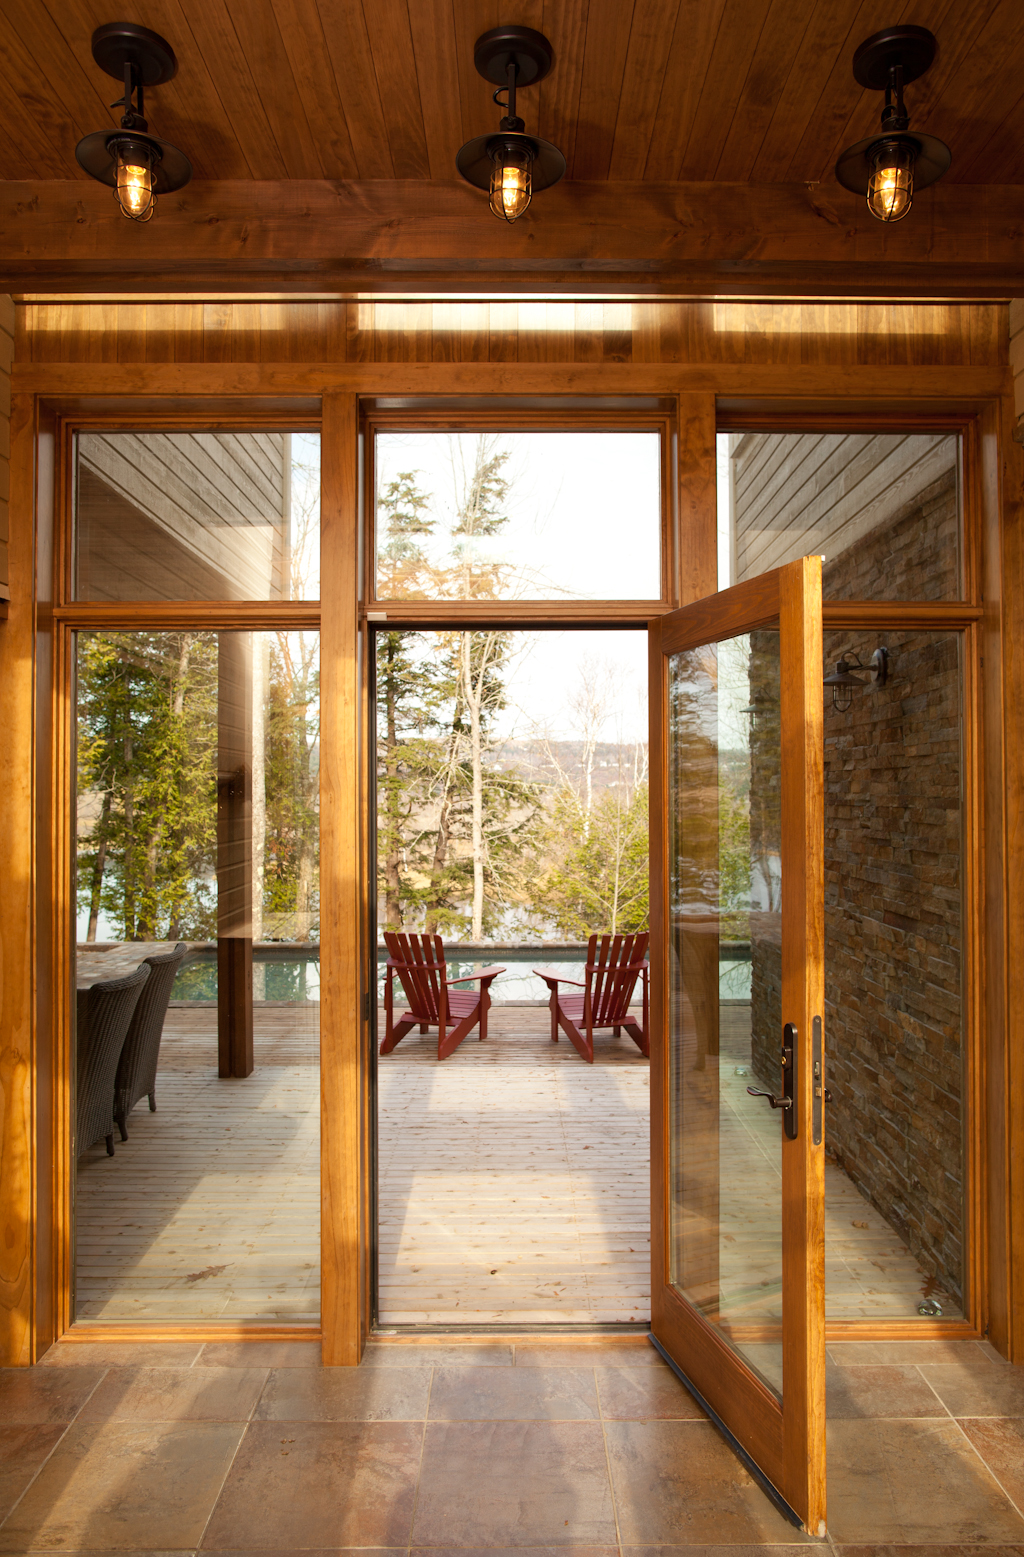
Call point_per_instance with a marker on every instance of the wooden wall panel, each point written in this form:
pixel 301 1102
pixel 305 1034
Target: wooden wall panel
pixel 6 362
pixel 749 334
pixel 17 924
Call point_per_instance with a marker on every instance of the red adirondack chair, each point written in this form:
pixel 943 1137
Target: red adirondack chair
pixel 433 1002
pixel 614 963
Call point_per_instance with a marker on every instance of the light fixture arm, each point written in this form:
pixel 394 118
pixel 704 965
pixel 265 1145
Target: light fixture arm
pixel 894 114
pixel 511 121
pixel 133 117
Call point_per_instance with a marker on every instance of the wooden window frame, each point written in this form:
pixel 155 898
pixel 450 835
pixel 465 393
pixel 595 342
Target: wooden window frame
pixel 963 617
pixel 343 1321
pixel 571 415
pixel 51 398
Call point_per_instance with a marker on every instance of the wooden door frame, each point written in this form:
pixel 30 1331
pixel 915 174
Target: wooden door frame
pixel 30 1268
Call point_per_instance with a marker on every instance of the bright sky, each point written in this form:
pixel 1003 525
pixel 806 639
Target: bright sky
pixel 583 508
pixel 549 670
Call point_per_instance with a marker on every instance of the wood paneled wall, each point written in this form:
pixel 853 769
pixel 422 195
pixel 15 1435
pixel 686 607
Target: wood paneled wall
pixel 6 362
pixel 1017 357
pixel 766 334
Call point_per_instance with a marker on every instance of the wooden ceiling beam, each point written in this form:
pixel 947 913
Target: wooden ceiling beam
pixel 639 239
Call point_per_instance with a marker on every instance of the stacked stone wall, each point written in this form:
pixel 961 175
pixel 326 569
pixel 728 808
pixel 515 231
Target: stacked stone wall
pixel 893 913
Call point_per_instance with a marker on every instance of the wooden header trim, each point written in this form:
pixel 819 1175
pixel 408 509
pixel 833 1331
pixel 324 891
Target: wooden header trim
pixel 421 235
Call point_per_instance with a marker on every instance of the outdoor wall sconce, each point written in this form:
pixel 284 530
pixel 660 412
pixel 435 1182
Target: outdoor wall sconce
pixel 887 167
pixel 134 163
pixel 843 681
pixel 511 164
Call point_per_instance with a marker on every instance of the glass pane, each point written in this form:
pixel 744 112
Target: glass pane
pixel 518 515
pixel 197 516
pixel 725 990
pixel 894 1019
pixel 882 509
pixel 198 823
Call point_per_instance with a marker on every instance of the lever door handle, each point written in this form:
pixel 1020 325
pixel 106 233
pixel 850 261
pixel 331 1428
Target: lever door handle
pixel 776 1102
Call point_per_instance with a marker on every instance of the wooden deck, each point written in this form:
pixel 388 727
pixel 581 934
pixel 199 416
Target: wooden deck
pixel 513 1188
pixel 514 1179
pixel 211 1208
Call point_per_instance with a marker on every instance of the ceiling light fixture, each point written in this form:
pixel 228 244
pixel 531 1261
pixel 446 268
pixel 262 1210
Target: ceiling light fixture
pixel 887 168
pixel 134 163
pixel 511 164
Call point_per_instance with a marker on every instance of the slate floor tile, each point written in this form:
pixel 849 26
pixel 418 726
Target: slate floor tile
pixel 633 1394
pixel 880 1390
pixel 679 1484
pixel 345 1395
pixel 22 1451
pixel 30 1396
pixel 318 1484
pixel 513 1394
pixel 260 1354
pixel 514 1484
pixel 121 1354
pixel 175 1395
pixel 988 1389
pixel 1000 1442
pixel 118 1485
pixel 913 1481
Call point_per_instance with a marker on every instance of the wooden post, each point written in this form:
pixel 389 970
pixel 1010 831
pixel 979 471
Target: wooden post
pixel 234 854
pixel 344 1042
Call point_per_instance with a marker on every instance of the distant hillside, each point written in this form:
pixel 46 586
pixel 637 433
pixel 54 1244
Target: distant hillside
pixel 541 761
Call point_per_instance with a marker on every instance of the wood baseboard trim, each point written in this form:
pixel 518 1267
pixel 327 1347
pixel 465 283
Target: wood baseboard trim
pixel 87 1334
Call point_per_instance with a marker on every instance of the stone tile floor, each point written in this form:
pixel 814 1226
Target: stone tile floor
pixel 488 1448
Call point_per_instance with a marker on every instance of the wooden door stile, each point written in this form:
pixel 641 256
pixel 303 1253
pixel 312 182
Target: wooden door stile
pixel 803 1003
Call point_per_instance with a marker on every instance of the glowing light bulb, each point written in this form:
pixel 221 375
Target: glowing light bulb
pixel 511 181
pixel 134 188
pixel 891 185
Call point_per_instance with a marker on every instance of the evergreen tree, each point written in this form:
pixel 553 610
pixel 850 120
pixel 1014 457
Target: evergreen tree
pixel 291 887
pixel 147 750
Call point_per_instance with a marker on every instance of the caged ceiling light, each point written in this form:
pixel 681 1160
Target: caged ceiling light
pixel 134 163
pixel 511 164
pixel 887 168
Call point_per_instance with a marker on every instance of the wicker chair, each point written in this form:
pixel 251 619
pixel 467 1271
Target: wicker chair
pixel 136 1072
pixel 104 1017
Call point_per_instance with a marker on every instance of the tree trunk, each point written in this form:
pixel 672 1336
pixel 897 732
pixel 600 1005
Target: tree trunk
pixel 444 833
pixel 392 853
pixel 473 694
pixel 97 869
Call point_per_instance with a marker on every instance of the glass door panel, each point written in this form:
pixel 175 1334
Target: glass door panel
pixel 737 908
pixel 725 870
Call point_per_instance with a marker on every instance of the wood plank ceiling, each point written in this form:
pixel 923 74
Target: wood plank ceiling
pixel 747 91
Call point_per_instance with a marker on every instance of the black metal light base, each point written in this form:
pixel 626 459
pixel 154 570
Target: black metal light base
pixel 95 153
pixel 886 62
pixel 528 50
pixel 853 170
pixel 118 44
pixel 504 56
pixel 912 47
pixel 474 160
pixel 120 48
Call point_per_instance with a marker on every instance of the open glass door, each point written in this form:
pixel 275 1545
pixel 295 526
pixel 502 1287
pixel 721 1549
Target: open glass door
pixel 737 909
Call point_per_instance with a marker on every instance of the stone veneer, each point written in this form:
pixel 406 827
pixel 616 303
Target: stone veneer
pixel 893 833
